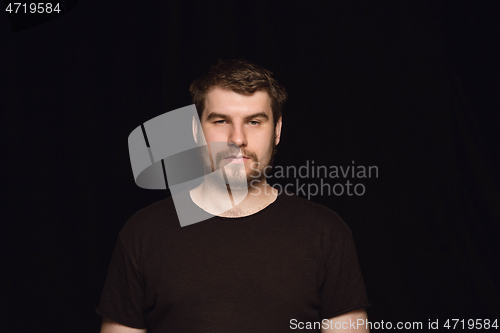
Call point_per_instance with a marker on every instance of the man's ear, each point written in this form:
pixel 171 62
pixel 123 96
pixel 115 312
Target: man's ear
pixel 195 129
pixel 278 130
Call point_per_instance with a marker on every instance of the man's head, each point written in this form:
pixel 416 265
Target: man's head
pixel 239 106
pixel 243 77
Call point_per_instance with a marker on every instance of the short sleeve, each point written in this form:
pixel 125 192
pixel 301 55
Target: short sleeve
pixel 343 289
pixel 123 294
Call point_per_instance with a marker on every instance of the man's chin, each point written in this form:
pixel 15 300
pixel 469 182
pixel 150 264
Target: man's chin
pixel 237 183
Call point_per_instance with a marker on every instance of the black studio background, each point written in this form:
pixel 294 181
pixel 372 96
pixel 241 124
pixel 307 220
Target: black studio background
pixel 410 87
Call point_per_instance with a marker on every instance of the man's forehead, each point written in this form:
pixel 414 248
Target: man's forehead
pixel 227 102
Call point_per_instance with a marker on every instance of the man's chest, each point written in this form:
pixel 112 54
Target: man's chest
pixel 246 278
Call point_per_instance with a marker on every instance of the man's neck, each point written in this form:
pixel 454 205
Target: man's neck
pixel 234 203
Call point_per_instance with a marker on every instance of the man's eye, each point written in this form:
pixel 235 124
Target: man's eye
pixel 219 121
pixel 254 122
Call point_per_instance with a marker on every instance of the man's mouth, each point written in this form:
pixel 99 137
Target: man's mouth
pixel 237 158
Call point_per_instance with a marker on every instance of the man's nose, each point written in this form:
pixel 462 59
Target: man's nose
pixel 238 136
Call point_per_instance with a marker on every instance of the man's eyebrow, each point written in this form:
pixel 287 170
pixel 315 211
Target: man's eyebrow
pixel 259 114
pixel 213 115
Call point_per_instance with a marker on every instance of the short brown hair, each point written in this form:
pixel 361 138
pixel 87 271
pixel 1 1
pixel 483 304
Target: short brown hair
pixel 243 77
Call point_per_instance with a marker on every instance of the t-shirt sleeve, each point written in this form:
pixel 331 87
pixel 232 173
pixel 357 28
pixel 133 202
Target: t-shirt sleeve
pixel 123 293
pixel 343 289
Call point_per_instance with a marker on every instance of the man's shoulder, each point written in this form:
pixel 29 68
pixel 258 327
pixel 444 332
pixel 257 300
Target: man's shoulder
pixel 297 204
pixel 313 214
pixel 158 215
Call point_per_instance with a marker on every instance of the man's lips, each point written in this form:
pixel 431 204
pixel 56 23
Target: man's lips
pixel 233 157
pixel 237 159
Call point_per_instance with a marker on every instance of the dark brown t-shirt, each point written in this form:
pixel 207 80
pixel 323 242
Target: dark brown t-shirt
pixel 294 261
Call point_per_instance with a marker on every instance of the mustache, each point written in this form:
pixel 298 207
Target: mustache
pixel 225 154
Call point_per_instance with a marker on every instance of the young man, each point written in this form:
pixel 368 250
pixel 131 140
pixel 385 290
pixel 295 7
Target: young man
pixel 265 262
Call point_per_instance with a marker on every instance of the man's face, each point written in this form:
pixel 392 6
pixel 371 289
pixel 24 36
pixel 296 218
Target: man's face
pixel 234 123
